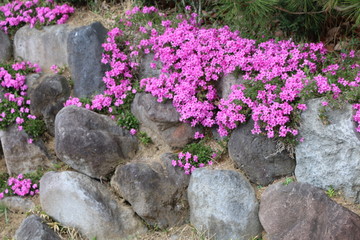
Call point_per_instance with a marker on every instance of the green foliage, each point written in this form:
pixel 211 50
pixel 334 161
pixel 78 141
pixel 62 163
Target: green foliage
pixel 251 18
pixel 36 175
pixel 128 120
pixel 288 180
pixel 3 181
pixel 11 110
pixel 144 138
pixel 35 127
pixel 306 20
pixel 4 213
pixel 199 149
pixel 331 192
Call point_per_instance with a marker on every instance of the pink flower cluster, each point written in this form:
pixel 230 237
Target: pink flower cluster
pixel 15 106
pixel 20 186
pixel 275 74
pixel 189 162
pixel 33 12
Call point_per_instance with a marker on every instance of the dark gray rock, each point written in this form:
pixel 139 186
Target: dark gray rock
pixel 48 97
pixel 156 193
pixel 85 53
pixel 33 228
pixel 45 47
pixel 5 47
pixel 91 143
pixel 303 212
pixel 18 204
pixel 162 121
pixel 329 154
pixel 20 156
pixel 258 156
pixel 223 203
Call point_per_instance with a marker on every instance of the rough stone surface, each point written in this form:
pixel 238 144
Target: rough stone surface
pixel 18 204
pixel 223 86
pixel 223 203
pixel 258 156
pixel 76 200
pixel 156 193
pixel 20 156
pixel 33 228
pixel 5 47
pixel 85 53
pixel 91 143
pixel 48 97
pixel 145 70
pixel 161 120
pixel 303 212
pixel 45 47
pixel 329 154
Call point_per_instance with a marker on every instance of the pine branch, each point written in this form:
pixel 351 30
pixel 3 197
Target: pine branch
pixel 298 13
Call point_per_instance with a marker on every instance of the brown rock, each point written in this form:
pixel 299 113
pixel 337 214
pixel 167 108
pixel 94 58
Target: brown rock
pixel 299 211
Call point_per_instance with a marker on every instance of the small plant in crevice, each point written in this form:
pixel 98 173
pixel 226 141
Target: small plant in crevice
pixel 331 192
pixel 144 138
pixel 4 213
pixel 288 180
pixel 194 155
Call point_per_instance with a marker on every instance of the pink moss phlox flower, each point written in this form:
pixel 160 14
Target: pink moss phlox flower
pixel 20 186
pixel 31 12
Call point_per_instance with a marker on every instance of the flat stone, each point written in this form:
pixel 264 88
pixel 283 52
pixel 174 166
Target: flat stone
pixel 20 156
pixel 45 47
pixel 18 204
pixel 329 154
pixel 75 200
pixel 223 204
pixel 300 211
pixel 258 156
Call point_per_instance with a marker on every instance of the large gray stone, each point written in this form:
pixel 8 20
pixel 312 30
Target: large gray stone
pixel 299 211
pixel 258 156
pixel 63 45
pixel 223 203
pixel 90 142
pixel 156 193
pixel 85 53
pixel 76 200
pixel 5 47
pixel 48 97
pixel 161 121
pixel 18 204
pixel 20 156
pixel 33 228
pixel 329 154
pixel 45 47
